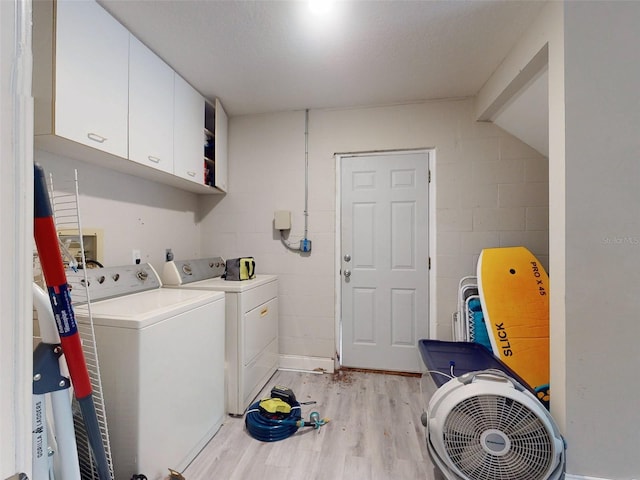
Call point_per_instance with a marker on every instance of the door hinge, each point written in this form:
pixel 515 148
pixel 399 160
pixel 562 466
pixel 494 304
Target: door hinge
pixel 429 180
pixel 429 263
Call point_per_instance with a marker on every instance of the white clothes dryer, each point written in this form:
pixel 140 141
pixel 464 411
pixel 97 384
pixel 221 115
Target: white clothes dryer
pixel 161 361
pixel 251 347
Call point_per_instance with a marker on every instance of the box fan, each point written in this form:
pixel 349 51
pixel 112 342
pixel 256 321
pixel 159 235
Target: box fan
pixel 486 426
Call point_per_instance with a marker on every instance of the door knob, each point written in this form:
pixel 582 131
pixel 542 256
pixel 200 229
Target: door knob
pixel 347 258
pixel 347 273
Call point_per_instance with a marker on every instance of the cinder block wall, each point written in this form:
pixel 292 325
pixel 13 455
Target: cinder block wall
pixel 491 190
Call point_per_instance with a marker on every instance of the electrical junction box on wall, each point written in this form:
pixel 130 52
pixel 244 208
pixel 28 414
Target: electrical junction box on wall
pixel 305 245
pixel 282 220
pixel 91 240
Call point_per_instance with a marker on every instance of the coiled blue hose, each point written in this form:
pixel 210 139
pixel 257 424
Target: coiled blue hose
pixel 269 429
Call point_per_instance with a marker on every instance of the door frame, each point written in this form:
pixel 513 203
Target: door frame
pixel 16 274
pixel 431 154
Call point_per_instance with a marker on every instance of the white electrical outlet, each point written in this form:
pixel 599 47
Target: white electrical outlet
pixel 136 256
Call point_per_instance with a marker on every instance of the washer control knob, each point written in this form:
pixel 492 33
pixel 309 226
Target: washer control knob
pixel 142 275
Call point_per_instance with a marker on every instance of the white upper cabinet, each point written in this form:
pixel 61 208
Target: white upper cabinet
pixel 91 77
pixel 103 97
pixel 188 139
pixel 150 108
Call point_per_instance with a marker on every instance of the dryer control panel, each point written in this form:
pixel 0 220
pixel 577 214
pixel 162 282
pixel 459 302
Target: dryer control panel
pixel 181 272
pixel 110 282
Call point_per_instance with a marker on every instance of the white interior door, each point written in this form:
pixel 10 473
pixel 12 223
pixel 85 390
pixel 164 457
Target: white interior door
pixel 384 259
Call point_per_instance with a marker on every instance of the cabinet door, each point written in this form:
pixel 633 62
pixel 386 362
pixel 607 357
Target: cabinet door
pixel 221 147
pixel 188 137
pixel 150 108
pixel 91 65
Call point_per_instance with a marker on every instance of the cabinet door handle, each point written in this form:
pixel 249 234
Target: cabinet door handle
pixel 154 159
pixel 96 138
pixel 191 174
pixel 264 311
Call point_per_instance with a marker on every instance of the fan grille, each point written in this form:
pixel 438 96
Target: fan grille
pixel 529 451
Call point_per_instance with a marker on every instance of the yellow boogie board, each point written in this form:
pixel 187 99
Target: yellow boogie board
pixel 514 293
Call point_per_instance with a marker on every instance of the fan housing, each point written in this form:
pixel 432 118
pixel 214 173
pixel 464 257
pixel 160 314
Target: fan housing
pixel 486 426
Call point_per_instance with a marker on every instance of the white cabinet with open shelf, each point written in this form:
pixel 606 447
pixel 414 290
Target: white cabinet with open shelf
pixel 87 108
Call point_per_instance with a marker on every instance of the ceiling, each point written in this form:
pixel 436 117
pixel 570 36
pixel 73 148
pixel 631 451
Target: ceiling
pixel 267 56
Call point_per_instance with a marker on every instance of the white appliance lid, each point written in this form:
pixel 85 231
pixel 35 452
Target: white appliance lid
pixel 222 285
pixel 142 309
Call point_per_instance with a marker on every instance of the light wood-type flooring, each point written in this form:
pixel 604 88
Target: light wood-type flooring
pixel 374 433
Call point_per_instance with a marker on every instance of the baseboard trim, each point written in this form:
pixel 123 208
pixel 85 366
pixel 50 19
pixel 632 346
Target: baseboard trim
pixel 568 476
pixel 306 364
pixel 382 372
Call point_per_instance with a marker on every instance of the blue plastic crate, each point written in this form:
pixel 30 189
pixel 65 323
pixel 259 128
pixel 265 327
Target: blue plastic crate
pixel 439 356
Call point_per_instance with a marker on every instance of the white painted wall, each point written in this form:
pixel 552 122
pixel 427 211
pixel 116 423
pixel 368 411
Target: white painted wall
pixel 527 117
pixel 132 212
pixel 541 47
pixel 491 190
pixel 602 115
pixel 594 227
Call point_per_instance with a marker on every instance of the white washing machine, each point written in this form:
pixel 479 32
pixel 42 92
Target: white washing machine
pixel 161 360
pixel 252 351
